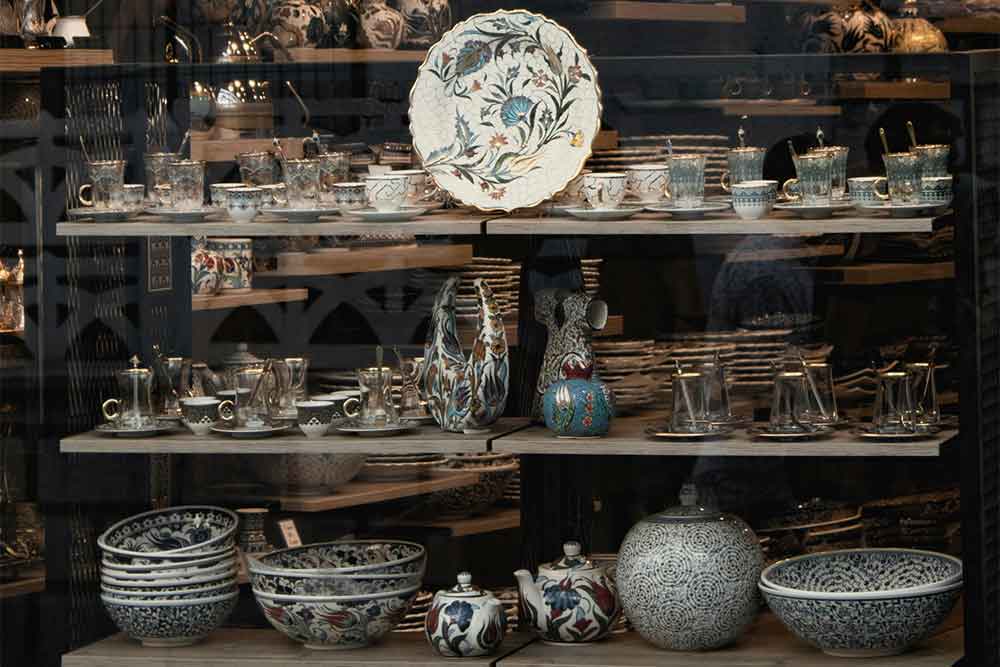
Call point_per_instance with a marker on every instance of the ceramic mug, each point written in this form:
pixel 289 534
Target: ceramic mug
pixel 902 171
pixel 933 159
pixel 314 417
pixel 746 163
pixel 605 190
pixel 133 196
pixel 237 262
pixel 753 200
pixel 387 192
pixel 815 179
pixel 936 189
pixel 187 185
pixel 687 181
pixel 200 413
pixel 302 183
pixel 867 189
pixel 218 192
pixel 243 204
pixel 107 185
pixel 648 182
pixel 206 269
pixel 350 196
pixel 838 169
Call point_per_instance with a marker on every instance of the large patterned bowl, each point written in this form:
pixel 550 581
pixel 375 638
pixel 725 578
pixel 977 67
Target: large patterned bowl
pixel 475 498
pixel 110 562
pixel 182 573
pixel 221 588
pixel 336 622
pixel 345 557
pixel 331 584
pixel 307 474
pixel 194 581
pixel 862 573
pixel 190 530
pixel 869 627
pixel 169 622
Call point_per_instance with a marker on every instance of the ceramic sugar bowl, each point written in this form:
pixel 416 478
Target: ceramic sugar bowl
pixel 572 600
pixel 580 406
pixel 465 621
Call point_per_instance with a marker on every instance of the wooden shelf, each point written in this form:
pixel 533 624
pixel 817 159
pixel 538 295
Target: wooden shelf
pixel 313 55
pixel 771 109
pixel 884 274
pixel 644 224
pixel 363 492
pixel 767 643
pixel 982 25
pixel 894 90
pixel 426 439
pixel 632 10
pixel 379 258
pixel 504 519
pixel 614 327
pixel 226 149
pixel 31 61
pixel 34 582
pixel 257 297
pixel 627 437
pixel 232 647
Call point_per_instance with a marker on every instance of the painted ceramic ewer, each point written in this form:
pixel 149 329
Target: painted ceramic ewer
pixel 206 269
pixel 688 578
pixel 571 318
pixel 298 23
pixel 571 601
pixel 579 406
pixel 341 18
pixel 382 26
pixel 426 21
pixel 466 395
pixel 855 27
pixel 465 621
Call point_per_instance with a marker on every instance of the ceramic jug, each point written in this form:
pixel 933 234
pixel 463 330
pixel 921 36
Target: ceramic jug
pixel 465 621
pixel 466 395
pixel 381 26
pixel 579 406
pixel 571 601
pixel 426 21
pixel 571 318
pixel 858 26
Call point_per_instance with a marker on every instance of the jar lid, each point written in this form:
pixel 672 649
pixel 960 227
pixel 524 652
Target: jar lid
pixel 136 369
pixel 465 588
pixel 573 559
pixel 686 514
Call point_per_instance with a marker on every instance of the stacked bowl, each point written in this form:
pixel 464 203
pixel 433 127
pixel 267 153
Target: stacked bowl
pixel 863 602
pixel 168 577
pixel 338 595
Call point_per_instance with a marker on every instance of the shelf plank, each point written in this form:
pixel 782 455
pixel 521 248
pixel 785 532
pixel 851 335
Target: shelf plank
pixel 627 437
pixel 33 583
pixel 31 61
pixel 426 439
pixel 380 258
pixel 504 519
pixel 779 110
pixel 614 327
pixel 889 273
pixel 633 10
pixel 228 647
pixel 332 56
pixel 226 149
pixel 894 90
pixel 645 224
pixel 255 297
pixel 765 643
pixel 363 492
pixel 976 25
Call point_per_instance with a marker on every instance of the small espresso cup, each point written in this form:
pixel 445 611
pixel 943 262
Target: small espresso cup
pixel 218 192
pixel 314 417
pixel 346 404
pixel 572 194
pixel 867 190
pixel 275 194
pixel 387 192
pixel 200 413
pixel 605 190
pixel 350 196
pixel 753 200
pixel 243 204
pixel 133 196
pixel 648 182
pixel 936 189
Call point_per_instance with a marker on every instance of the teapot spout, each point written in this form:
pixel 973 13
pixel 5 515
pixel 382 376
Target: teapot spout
pixel 529 591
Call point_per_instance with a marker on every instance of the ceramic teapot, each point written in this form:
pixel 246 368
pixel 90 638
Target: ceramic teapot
pixel 571 601
pixel 465 621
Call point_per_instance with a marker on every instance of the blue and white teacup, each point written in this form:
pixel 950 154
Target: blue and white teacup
pixel 648 182
pixel 387 192
pixel 867 190
pixel 350 196
pixel 219 192
pixel 936 189
pixel 243 204
pixel 753 200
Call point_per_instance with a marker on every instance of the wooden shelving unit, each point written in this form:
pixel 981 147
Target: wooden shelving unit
pixel 627 437
pixel 634 10
pixel 338 56
pixel 614 327
pixel 426 439
pixel 502 519
pixel 34 582
pixel 224 149
pixel 894 90
pixel 257 297
pixel 364 492
pixel 885 274
pixel 379 258
pixel 31 61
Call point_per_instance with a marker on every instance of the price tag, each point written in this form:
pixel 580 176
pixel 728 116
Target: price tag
pixel 290 533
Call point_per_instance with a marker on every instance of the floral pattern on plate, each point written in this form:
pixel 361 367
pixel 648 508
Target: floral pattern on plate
pixel 504 110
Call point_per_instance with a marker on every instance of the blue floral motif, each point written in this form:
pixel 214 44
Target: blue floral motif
pixel 460 612
pixel 562 596
pixel 515 110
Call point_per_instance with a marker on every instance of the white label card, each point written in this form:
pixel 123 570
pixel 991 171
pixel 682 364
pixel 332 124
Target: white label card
pixel 290 533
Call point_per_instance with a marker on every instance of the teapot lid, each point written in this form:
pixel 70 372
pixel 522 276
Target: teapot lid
pixel 241 356
pixel 573 559
pixel 136 369
pixel 687 514
pixel 465 588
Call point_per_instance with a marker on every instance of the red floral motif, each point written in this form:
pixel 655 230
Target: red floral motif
pixel 575 73
pixel 431 620
pixel 445 58
pixel 582 624
pixel 499 193
pixel 337 619
pixel 277 613
pixel 604 597
pixel 587 421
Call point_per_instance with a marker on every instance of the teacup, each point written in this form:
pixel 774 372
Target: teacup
pixel 314 417
pixel 275 194
pixel 752 200
pixel 648 182
pixel 133 196
pixel 106 186
pixel 838 169
pixel 202 412
pixel 815 179
pixel 346 404
pixel 163 196
pixel 243 204
pixel 936 189
pixel 350 196
pixel 903 171
pixel 218 192
pixel 605 190
pixel 302 183
pixel 867 189
pixel 187 184
pixel 387 192
pixel 416 191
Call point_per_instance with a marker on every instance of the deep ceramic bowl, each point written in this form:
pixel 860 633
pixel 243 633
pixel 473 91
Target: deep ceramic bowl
pixel 307 474
pixel 195 593
pixel 179 573
pixel 344 557
pixel 863 628
pixel 332 584
pixel 336 622
pixel 473 499
pixel 861 573
pixel 169 622
pixel 192 529
pixel 111 562
pixel 176 581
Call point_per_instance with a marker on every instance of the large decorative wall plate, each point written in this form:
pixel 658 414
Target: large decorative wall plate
pixel 504 110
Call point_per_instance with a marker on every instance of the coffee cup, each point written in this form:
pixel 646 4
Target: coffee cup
pixel 219 191
pixel 346 404
pixel 936 189
pixel 200 413
pixel 314 417
pixel 867 190
pixel 605 190
pixel 648 182
pixel 387 192
pixel 350 196
pixel 243 204
pixel 133 196
pixel 753 200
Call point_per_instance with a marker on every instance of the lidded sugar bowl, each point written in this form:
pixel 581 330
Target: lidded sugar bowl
pixel 571 601
pixel 465 621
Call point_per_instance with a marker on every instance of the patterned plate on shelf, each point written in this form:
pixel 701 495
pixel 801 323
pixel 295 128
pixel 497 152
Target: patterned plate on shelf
pixel 868 432
pixel 504 110
pixel 400 215
pixel 183 216
pixel 692 212
pixel 248 432
pixel 602 214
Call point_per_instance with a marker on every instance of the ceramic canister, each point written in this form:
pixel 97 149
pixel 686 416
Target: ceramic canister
pixel 206 269
pixel 237 262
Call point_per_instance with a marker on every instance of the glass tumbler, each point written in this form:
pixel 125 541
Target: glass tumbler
pixel 687 180
pixel 790 403
pixel 302 182
pixel 690 394
pixel 902 171
pixel 376 397
pixel 933 159
pixel 187 184
pixel 746 163
pixel 717 393
pixel 821 399
pixel 251 398
pixel 924 394
pixel 838 170
pixel 814 182
pixel 893 411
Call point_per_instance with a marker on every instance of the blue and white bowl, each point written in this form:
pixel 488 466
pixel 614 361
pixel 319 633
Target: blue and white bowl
pixel 345 557
pixel 216 589
pixel 138 566
pixel 192 530
pixel 221 567
pixel 169 622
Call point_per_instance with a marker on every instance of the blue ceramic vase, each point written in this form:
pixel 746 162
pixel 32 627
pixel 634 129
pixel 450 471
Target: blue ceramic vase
pixel 579 406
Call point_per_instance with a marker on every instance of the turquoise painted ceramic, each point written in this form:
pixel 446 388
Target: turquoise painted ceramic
pixel 580 406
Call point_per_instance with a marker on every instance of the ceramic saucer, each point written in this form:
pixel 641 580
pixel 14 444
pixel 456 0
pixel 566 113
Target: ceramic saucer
pixel 189 215
pixel 144 432
pixel 426 419
pixel 300 214
pixel 868 432
pixel 100 214
pixel 563 209
pixel 401 215
pixel 814 211
pixel 896 210
pixel 246 432
pixel 604 214
pixel 664 433
pixel 766 433
pixel 354 428
pixel 690 212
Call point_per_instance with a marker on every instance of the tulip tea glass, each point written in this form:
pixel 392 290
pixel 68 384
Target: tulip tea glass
pixel 821 400
pixel 157 167
pixel 745 164
pixel 902 170
pixel 893 411
pixel 716 392
pixel 256 168
pixel 187 184
pixel 691 403
pixel 815 179
pixel 251 398
pixel 790 404
pixel 333 168
pixel 376 397
pixel 933 159
pixel 924 394
pixel 687 181
pixel 302 183
pixel 107 185
pixel 838 169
